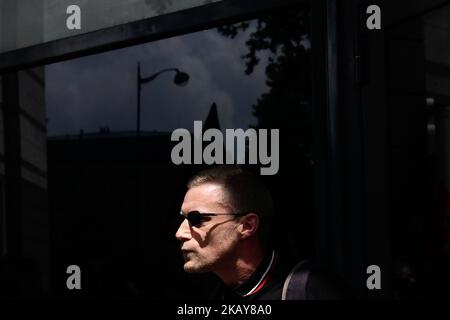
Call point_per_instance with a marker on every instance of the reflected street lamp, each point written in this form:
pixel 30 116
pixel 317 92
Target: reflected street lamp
pixel 181 79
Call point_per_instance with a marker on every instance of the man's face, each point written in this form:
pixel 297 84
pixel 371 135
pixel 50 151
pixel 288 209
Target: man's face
pixel 207 246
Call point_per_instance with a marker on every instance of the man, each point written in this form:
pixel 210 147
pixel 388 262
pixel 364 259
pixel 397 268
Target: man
pixel 227 215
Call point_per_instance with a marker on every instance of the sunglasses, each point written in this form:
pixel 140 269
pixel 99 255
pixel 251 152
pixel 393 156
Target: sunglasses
pixel 195 218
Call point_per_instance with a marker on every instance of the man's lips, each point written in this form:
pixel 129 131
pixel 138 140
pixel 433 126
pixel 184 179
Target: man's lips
pixel 184 248
pixel 186 253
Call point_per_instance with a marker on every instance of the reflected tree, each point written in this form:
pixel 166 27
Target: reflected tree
pixel 287 104
pixel 285 41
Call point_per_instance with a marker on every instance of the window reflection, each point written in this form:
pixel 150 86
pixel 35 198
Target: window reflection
pixel 114 196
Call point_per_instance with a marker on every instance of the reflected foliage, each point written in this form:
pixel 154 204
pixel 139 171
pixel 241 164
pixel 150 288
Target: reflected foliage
pixel 284 41
pixel 287 104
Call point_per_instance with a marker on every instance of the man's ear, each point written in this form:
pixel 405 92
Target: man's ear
pixel 249 225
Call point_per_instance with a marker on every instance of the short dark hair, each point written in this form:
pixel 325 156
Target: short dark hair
pixel 244 192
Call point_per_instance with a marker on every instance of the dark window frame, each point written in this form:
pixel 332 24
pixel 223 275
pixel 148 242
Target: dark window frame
pixel 207 17
pixel 142 31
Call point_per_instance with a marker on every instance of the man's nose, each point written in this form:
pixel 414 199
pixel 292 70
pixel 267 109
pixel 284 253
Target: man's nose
pixel 184 232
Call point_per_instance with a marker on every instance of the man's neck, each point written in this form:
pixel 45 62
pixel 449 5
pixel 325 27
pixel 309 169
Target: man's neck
pixel 240 268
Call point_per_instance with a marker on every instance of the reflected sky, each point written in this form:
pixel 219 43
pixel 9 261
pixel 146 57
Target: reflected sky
pixel 24 23
pixel 101 90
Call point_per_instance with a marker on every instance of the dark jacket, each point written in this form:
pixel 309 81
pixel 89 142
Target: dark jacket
pixel 266 283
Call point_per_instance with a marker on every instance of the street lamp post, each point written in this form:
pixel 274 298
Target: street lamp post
pixel 181 79
pixel 138 115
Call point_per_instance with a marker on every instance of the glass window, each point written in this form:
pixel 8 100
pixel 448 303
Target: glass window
pixel 114 193
pixel 26 23
pixel 420 143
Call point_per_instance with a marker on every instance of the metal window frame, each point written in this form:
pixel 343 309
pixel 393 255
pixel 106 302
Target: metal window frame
pixel 324 94
pixel 142 31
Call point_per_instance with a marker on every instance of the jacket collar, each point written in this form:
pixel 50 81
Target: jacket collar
pixel 259 278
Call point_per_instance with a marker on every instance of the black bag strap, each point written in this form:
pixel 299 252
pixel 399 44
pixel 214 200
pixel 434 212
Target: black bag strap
pixel 294 287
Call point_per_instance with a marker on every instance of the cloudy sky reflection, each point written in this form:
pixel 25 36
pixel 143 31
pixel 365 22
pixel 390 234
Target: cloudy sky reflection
pixel 101 90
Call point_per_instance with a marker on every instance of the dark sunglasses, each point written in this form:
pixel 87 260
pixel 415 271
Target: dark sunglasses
pixel 195 218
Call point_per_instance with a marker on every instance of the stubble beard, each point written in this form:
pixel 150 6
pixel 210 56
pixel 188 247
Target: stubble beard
pixel 194 266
